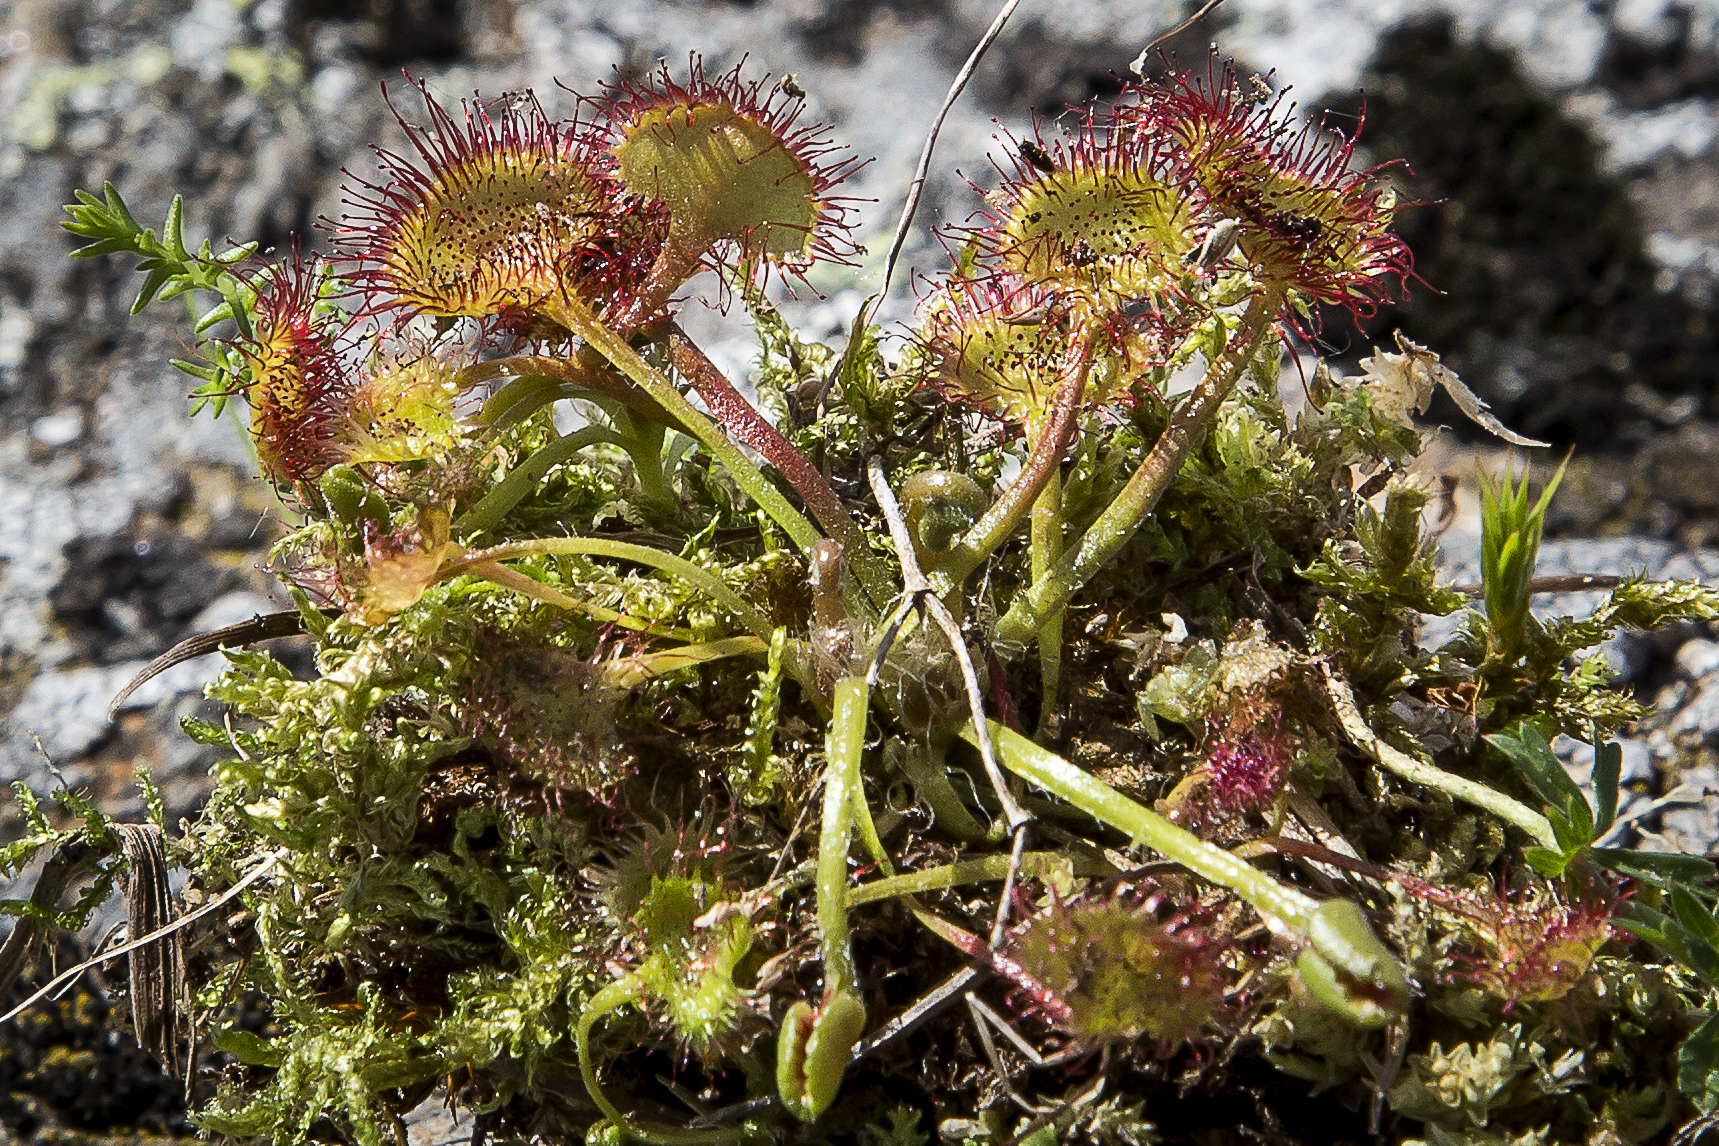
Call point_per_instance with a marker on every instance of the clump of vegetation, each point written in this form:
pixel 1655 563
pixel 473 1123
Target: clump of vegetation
pixel 1008 743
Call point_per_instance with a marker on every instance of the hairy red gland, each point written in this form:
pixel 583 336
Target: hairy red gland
pixel 300 387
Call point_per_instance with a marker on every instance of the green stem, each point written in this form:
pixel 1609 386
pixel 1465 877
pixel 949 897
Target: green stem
pixel 744 422
pixel 1046 543
pixel 867 829
pixel 841 783
pixel 572 313
pixel 643 440
pixel 694 575
pixel 562 370
pixel 612 998
pixel 1276 901
pixel 986 869
pixel 538 591
pixel 523 478
pixel 516 401
pixel 1342 962
pixel 680 258
pixel 1402 764
pixel 1000 521
pixel 1118 523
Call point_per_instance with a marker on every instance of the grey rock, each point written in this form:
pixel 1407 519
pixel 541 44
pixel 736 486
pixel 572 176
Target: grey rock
pixel 31 251
pixel 1636 766
pixel 202 37
pixel 1656 558
pixel 1698 713
pixel 58 429
pixel 433 1124
pixel 1697 659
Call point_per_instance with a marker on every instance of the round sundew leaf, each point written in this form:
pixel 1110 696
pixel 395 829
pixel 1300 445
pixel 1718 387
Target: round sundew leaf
pixel 1111 971
pixel 1010 369
pixel 299 387
pixel 1118 233
pixel 499 229
pixel 403 411
pixel 722 175
pixel 1306 218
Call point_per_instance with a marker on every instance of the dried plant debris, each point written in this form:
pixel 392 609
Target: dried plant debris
pixel 1403 384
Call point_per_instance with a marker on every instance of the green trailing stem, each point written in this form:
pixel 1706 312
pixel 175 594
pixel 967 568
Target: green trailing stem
pixel 621 993
pixel 1402 764
pixel 713 586
pixel 513 579
pixel 523 478
pixel 570 371
pixel 1343 962
pixel 986 869
pixel 1122 518
pixel 815 1043
pixel 1279 903
pixel 842 787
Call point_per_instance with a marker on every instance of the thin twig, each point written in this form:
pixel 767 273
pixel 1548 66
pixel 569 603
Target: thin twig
pixel 1001 925
pixel 1006 1029
pixel 1574 583
pixel 1138 67
pixel 928 1004
pixel 794 833
pixel 1084 1098
pixel 990 1047
pixel 65 865
pixel 262 627
pixel 66 976
pixel 1398 1046
pixel 1349 716
pixel 917 188
pixel 916 586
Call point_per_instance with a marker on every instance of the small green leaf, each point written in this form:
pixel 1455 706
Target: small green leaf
pixel 1547 862
pixel 248 1048
pixel 1698 1065
pixel 1608 766
pixel 1646 923
pixel 218 314
pixel 1658 868
pixel 1694 917
pixel 1578 824
pixel 1532 755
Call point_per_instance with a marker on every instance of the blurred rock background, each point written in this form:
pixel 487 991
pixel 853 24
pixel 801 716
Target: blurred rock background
pixel 1566 151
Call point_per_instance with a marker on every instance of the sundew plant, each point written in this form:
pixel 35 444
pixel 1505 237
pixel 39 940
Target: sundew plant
pixel 1013 732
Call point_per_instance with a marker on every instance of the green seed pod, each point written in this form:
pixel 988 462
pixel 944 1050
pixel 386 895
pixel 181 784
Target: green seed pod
pixel 1347 968
pixel 813 1052
pixel 940 505
pixel 353 500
